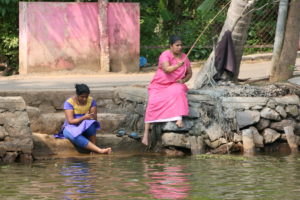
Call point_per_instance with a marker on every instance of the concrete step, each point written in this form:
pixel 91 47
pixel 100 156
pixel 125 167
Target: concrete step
pixel 46 146
pixel 51 123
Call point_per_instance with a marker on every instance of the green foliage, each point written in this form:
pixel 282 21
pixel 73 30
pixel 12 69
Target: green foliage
pixel 159 19
pixel 9 42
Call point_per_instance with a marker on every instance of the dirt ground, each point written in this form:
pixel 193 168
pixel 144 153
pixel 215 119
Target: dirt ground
pixel 66 80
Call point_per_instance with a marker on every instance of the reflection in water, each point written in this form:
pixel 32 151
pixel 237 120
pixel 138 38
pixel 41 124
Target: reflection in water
pixel 78 180
pixel 168 183
pixel 147 177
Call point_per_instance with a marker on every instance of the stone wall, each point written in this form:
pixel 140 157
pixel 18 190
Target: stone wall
pixel 15 134
pixel 218 118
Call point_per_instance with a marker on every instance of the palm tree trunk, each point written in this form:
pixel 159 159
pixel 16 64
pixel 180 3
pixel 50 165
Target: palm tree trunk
pixel 284 68
pixel 238 20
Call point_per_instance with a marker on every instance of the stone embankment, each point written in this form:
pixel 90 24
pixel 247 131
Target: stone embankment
pixel 15 135
pixel 222 119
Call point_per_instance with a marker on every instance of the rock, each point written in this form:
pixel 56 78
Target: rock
pixel 49 123
pixel 278 126
pixel 194 112
pixel 243 102
pixel 281 111
pixel 172 127
pixel 12 104
pixel 175 139
pixel 288 100
pixel 10 157
pixel 46 107
pixel 215 144
pixel 246 118
pixel 229 113
pixel 25 157
pixel 3 133
pixel 256 107
pixel 223 149
pixel 292 110
pixel 111 122
pixel 33 112
pixel 269 113
pixel 258 139
pixel 198 129
pixel 214 132
pixel 271 103
pixel 297 128
pixel 283 137
pixel 200 98
pixel 207 142
pixel 262 124
pixel 173 152
pixel 133 94
pixel 270 135
pixel 237 138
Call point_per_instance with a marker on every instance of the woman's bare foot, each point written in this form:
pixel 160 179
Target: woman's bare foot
pixel 105 151
pixel 179 123
pixel 145 139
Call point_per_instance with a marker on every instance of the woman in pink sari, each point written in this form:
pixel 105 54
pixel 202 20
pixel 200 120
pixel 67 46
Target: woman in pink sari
pixel 167 99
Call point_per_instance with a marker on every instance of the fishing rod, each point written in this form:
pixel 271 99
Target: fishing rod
pixel 206 27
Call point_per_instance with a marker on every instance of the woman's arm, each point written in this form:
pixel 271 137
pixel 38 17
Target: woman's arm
pixel 70 117
pixel 169 68
pixel 93 111
pixel 188 75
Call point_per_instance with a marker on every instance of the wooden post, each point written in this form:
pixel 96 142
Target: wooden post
pixel 103 31
pixel 248 141
pixel 23 39
pixel 291 138
pixel 197 145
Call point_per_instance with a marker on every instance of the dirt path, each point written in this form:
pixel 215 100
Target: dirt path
pixel 66 81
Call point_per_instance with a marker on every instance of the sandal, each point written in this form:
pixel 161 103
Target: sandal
pixel 134 135
pixel 121 133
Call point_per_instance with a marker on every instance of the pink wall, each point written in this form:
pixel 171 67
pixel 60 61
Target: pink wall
pixel 124 36
pixel 62 36
pixel 58 36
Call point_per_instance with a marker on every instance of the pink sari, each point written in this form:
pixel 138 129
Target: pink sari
pixel 167 98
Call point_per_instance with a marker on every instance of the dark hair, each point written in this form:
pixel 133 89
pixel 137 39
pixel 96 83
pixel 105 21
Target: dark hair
pixel 173 39
pixel 82 89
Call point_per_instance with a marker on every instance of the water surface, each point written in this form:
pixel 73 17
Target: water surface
pixel 154 177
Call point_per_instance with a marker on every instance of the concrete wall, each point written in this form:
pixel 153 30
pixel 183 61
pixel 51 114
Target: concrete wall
pixel 56 36
pixel 124 36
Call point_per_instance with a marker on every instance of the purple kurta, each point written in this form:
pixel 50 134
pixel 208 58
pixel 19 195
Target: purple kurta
pixel 79 111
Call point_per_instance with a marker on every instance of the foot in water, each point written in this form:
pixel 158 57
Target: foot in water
pixel 105 151
pixel 179 123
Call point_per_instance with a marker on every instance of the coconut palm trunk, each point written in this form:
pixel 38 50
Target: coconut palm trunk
pixel 237 21
pixel 284 66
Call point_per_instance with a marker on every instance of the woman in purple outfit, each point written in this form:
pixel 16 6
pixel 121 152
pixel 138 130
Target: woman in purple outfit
pixel 81 120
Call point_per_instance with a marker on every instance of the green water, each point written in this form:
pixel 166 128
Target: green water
pixel 154 177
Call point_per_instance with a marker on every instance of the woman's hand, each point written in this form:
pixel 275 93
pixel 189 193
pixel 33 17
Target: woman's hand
pixel 180 81
pixel 180 63
pixel 89 116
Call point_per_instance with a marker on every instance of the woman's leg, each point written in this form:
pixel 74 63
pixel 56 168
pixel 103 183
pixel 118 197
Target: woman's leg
pixel 145 140
pixel 83 142
pixel 179 123
pixel 91 133
pixel 92 147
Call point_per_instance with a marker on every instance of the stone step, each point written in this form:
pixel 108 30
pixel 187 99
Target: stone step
pixel 46 146
pixel 51 123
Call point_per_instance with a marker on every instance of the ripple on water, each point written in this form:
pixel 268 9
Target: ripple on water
pixel 149 177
